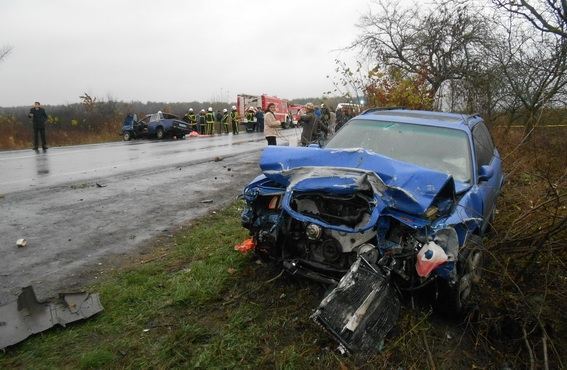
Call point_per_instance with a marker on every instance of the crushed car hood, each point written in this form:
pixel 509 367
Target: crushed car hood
pixel 400 185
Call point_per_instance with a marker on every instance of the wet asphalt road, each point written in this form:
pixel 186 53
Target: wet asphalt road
pixel 78 206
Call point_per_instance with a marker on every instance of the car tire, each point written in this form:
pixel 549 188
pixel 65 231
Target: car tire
pixel 159 133
pixel 455 298
pixel 126 136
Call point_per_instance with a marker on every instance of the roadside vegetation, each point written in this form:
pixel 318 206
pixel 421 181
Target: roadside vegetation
pixel 195 302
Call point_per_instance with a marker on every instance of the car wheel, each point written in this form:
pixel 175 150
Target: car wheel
pixel 456 297
pixel 126 136
pixel 159 133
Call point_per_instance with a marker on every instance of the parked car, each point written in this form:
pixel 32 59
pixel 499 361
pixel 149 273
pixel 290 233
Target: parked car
pixel 158 125
pixel 397 197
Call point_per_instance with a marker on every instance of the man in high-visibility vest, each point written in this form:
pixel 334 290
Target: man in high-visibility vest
pixel 224 120
pixel 251 125
pixel 201 123
pixel 235 119
pixel 191 119
pixel 210 119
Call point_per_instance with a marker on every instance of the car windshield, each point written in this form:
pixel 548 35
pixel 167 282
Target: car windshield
pixel 438 148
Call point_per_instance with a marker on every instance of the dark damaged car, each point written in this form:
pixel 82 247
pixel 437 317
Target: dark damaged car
pixel 159 125
pixel 396 202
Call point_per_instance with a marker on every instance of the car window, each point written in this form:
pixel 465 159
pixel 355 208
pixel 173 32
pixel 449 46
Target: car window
pixel 484 147
pixel 155 117
pixel 442 149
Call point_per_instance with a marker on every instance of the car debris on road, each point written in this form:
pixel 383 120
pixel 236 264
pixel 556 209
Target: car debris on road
pixel 21 243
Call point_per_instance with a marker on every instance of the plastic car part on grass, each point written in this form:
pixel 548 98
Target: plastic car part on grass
pixel 361 310
pixel 246 246
pixel 27 316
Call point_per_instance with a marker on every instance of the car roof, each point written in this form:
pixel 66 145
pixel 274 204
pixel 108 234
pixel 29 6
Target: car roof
pixel 421 117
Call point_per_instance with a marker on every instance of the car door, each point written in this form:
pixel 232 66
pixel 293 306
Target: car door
pixel 488 169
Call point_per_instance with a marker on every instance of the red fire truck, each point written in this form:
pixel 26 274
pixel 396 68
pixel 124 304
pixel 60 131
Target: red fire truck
pixel 245 102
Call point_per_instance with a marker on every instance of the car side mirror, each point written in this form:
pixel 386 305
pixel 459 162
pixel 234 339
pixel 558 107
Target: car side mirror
pixel 485 173
pixel 314 146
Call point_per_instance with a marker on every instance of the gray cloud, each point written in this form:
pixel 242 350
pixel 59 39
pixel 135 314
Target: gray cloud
pixel 172 50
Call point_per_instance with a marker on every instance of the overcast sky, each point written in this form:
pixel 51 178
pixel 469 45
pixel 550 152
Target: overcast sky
pixel 171 50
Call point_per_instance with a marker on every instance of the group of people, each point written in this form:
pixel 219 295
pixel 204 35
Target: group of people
pixel 317 122
pixel 205 121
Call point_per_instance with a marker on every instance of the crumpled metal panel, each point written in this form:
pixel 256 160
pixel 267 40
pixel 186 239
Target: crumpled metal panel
pixel 406 187
pixel 27 316
pixel 361 310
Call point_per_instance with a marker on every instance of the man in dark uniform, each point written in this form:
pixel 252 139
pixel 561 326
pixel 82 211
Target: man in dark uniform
pixel 39 118
pixel 259 120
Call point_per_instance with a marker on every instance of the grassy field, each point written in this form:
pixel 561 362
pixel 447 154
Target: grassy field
pixel 195 302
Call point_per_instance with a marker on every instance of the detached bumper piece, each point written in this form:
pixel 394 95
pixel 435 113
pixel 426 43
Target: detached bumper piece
pixel 361 310
pixel 26 316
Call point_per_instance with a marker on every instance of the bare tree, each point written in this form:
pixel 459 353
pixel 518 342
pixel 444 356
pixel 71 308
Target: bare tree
pixel 544 15
pixel 534 66
pixel 442 43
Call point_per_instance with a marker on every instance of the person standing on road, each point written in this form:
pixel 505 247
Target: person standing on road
pixel 39 118
pixel 192 120
pixel 218 119
pixel 224 120
pixel 250 125
pixel 210 118
pixel 309 122
pixel 201 123
pixel 259 120
pixel 235 120
pixel 271 125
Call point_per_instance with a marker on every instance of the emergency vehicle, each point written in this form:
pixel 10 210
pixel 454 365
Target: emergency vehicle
pixel 244 102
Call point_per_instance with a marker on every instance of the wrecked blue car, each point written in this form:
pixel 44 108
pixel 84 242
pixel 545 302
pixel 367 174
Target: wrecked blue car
pixel 396 198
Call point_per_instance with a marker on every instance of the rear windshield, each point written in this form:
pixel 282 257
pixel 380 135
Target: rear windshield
pixel 438 148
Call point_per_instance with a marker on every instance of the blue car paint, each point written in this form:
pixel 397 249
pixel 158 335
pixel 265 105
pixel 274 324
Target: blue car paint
pixel 408 190
pixel 408 187
pixel 167 124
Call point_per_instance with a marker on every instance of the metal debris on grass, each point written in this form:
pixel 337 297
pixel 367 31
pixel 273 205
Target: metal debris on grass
pixel 26 316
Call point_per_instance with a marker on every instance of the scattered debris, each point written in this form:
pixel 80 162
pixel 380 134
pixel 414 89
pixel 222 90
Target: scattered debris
pixel 26 316
pixel 218 159
pixel 231 270
pixel 246 246
pixel 207 201
pixel 361 310
pixel 81 185
pixel 21 243
pixel 100 186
